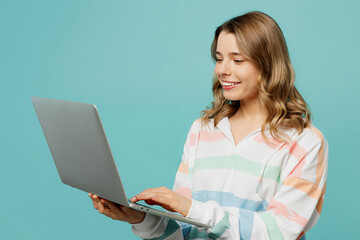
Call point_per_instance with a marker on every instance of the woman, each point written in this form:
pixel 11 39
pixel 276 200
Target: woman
pixel 253 166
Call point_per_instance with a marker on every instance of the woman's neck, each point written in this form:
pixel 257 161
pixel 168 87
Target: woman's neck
pixel 250 111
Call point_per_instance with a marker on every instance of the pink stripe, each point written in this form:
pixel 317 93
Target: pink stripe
pixel 183 168
pixel 186 192
pixel 321 160
pixel 211 137
pixel 193 139
pixel 299 154
pixel 284 211
pixel 295 149
pixel 273 143
pixel 296 172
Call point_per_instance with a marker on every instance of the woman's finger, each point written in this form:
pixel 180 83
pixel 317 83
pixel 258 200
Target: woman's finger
pixel 155 190
pixel 95 198
pixel 100 206
pixel 146 194
pixel 119 212
pixel 156 196
pixel 94 201
pixel 112 206
pixel 165 198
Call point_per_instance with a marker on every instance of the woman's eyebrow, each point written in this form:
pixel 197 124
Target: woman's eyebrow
pixel 231 54
pixel 235 54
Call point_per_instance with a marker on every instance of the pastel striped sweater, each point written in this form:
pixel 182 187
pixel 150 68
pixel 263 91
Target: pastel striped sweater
pixel 254 190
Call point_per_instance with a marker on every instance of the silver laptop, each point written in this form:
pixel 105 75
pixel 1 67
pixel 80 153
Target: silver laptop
pixel 82 154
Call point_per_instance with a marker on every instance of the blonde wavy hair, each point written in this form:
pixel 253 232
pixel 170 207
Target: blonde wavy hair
pixel 262 42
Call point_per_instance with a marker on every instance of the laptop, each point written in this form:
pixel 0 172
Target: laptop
pixel 82 154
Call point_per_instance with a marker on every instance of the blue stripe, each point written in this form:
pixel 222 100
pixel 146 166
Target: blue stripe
pixel 246 223
pixel 185 228
pixel 229 200
pixel 247 207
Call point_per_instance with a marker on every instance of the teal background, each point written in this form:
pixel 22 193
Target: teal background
pixel 147 66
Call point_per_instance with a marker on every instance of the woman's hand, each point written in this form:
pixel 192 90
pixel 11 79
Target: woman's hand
pixel 165 198
pixel 115 211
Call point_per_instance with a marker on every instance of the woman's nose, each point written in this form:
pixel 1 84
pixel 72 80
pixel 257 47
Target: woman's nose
pixel 224 68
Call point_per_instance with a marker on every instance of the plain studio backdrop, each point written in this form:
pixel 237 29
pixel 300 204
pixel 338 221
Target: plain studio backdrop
pixel 147 66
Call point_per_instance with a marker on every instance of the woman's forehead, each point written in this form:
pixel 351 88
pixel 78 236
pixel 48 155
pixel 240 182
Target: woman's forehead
pixel 228 44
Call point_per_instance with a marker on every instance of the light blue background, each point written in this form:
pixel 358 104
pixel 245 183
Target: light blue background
pixel 146 65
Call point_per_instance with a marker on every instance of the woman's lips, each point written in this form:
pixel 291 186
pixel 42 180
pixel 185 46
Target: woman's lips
pixel 229 85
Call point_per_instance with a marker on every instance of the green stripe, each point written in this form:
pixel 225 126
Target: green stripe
pixel 235 162
pixel 216 232
pixel 191 173
pixel 195 233
pixel 171 228
pixel 272 227
pixel 220 227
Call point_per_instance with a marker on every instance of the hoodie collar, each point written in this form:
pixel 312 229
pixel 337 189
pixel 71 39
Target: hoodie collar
pixel 225 128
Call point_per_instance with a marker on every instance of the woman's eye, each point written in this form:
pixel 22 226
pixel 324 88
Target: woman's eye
pixel 218 60
pixel 238 60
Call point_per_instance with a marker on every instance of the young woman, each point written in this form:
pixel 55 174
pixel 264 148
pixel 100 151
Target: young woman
pixel 253 166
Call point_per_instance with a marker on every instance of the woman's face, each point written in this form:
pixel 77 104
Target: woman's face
pixel 237 75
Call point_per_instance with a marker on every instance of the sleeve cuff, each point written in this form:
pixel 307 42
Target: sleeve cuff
pixel 192 202
pixel 199 211
pixel 207 213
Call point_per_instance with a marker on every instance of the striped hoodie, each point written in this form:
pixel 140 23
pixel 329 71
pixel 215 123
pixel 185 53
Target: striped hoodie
pixel 256 189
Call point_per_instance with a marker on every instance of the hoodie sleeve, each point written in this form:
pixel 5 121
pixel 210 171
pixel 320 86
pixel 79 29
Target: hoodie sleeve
pixel 154 227
pixel 293 210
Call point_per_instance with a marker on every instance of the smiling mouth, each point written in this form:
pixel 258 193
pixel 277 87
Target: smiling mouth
pixel 229 83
